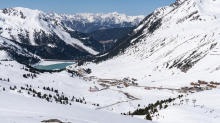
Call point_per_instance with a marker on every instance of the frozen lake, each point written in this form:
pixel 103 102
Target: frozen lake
pixel 53 65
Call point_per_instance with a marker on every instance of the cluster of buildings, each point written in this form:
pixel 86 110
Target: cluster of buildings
pixel 200 86
pixel 205 85
pixel 94 89
pixel 128 82
pixel 106 83
pixel 150 88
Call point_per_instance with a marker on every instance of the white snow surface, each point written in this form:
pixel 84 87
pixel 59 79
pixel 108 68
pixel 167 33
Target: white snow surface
pixel 45 63
pixel 3 55
pixel 24 108
pixel 210 113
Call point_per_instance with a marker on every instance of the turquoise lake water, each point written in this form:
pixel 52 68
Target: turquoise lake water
pixel 53 66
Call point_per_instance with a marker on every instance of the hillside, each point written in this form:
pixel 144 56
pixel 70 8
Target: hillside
pixel 49 39
pixel 174 41
pixel 24 99
pixel 110 34
pixel 108 37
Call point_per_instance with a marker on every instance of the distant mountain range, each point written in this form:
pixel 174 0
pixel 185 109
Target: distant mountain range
pixel 54 36
pixel 88 22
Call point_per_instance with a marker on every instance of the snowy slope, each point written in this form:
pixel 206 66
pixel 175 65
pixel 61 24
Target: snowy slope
pixel 175 43
pixel 3 55
pixel 11 50
pixel 32 110
pixel 30 27
pixel 206 109
pixel 23 107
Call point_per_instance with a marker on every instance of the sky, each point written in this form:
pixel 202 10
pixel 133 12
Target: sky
pixel 129 7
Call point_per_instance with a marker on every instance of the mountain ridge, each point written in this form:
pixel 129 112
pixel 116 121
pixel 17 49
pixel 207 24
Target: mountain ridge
pixel 47 38
pixel 176 39
pixel 88 22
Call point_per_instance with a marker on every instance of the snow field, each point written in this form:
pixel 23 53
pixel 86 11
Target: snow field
pixel 23 107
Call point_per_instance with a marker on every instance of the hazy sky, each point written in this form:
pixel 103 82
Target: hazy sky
pixel 129 7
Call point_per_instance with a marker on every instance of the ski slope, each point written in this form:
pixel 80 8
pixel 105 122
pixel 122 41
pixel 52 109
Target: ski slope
pixel 23 107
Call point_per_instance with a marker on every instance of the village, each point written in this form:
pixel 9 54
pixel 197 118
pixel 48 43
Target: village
pixel 107 83
pixel 126 82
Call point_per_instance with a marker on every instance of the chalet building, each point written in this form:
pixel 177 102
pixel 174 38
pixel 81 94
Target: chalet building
pixel 208 88
pixel 126 80
pixel 212 86
pixel 134 79
pixel 196 85
pixel 93 89
pixel 103 85
pixel 150 88
pixel 147 88
pixel 184 88
pixel 203 83
pixel 126 85
pixel 216 83
pixel 136 84
pixel 120 86
pixel 101 80
pixel 212 83
pixel 192 83
pixel 93 77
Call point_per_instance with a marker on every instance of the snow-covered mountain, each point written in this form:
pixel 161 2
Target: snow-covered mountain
pixel 10 50
pixel 103 19
pixel 46 38
pixel 177 40
pixel 88 22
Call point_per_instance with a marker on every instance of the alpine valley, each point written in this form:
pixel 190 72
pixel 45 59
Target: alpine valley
pixel 51 37
pixel 160 68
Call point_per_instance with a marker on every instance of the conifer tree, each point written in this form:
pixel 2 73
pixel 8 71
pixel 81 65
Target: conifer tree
pixel 148 117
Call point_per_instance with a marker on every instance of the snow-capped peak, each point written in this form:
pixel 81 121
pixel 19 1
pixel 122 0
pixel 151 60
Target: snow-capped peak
pixel 112 18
